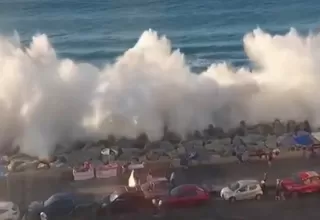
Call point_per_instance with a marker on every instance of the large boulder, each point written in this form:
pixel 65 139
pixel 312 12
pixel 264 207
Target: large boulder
pixel 278 128
pixel 130 153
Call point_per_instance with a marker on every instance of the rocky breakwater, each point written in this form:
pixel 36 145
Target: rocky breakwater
pixel 22 174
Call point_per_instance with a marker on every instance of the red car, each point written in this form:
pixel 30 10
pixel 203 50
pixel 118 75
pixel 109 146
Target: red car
pixel 301 183
pixel 184 196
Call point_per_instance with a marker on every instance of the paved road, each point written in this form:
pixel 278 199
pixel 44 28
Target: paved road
pixel 300 209
pixel 294 209
pixel 29 188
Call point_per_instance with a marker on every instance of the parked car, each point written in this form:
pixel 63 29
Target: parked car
pixel 156 187
pixel 63 206
pixel 183 196
pixel 9 210
pixel 241 190
pixel 125 200
pixel 301 183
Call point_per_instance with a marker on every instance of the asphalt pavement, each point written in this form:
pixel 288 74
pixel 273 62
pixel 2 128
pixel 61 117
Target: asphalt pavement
pixel 266 209
pixel 40 188
pixel 305 207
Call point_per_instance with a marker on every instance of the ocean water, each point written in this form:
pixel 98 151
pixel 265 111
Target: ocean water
pixel 97 31
pixel 75 69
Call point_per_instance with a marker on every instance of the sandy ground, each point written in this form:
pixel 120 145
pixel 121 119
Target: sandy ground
pixel 23 188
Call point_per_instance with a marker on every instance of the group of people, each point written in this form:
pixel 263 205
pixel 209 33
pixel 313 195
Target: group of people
pixel 279 192
pixel 171 177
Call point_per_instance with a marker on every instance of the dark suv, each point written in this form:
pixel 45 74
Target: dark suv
pixel 125 201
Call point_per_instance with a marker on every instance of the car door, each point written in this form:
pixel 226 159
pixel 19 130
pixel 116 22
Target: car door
pixel 160 188
pixel 314 184
pixel 60 209
pixel 306 187
pixel 186 197
pixel 242 193
pixel 120 205
pixel 252 191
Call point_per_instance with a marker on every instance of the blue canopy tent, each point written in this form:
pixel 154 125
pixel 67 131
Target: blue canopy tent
pixel 304 140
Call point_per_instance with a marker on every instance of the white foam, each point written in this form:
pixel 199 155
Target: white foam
pixel 45 100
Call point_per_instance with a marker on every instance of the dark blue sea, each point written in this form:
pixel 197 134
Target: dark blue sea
pixel 206 31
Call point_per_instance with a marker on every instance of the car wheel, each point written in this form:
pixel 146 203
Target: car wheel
pixel 232 199
pixel 258 197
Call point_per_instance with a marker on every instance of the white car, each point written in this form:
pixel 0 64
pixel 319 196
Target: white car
pixel 241 190
pixel 9 210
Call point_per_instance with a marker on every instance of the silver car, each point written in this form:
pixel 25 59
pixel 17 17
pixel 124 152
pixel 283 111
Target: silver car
pixel 241 190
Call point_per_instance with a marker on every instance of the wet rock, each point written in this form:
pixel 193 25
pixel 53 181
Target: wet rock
pixel 194 144
pixel 152 156
pixel 307 126
pixel 197 134
pixel 271 141
pixel 27 165
pixel 129 153
pixel 253 139
pixel 61 161
pixel 10 150
pixel 263 129
pixel 12 167
pixel 291 126
pixel 4 160
pixel 104 143
pixel 152 145
pixel 43 166
pixel 181 150
pixel 242 130
pixel 278 128
pixel 78 157
pixel 124 143
pixel 111 139
pixel 109 155
pixel 211 130
pixel 171 137
pixel 166 146
pixel 218 146
pixel 285 141
pixel 22 156
pixel 141 141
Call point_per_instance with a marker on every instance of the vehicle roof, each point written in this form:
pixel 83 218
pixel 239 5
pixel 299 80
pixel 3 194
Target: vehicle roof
pixel 186 186
pixel 307 174
pixel 62 195
pixel 158 179
pixel 246 182
pixel 6 204
pixel 80 198
pixel 127 190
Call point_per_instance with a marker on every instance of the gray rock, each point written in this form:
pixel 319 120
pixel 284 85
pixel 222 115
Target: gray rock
pixel 30 165
pixel 124 143
pixel 166 146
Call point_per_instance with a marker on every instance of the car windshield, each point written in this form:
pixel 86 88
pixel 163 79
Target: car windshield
pixel 296 178
pixel 50 200
pixel 234 186
pixel 176 191
pixel 113 196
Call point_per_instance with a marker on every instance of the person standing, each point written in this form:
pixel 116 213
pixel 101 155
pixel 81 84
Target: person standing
pixel 149 176
pixel 270 158
pixel 172 179
pixel 238 144
pixel 279 191
pixel 263 184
